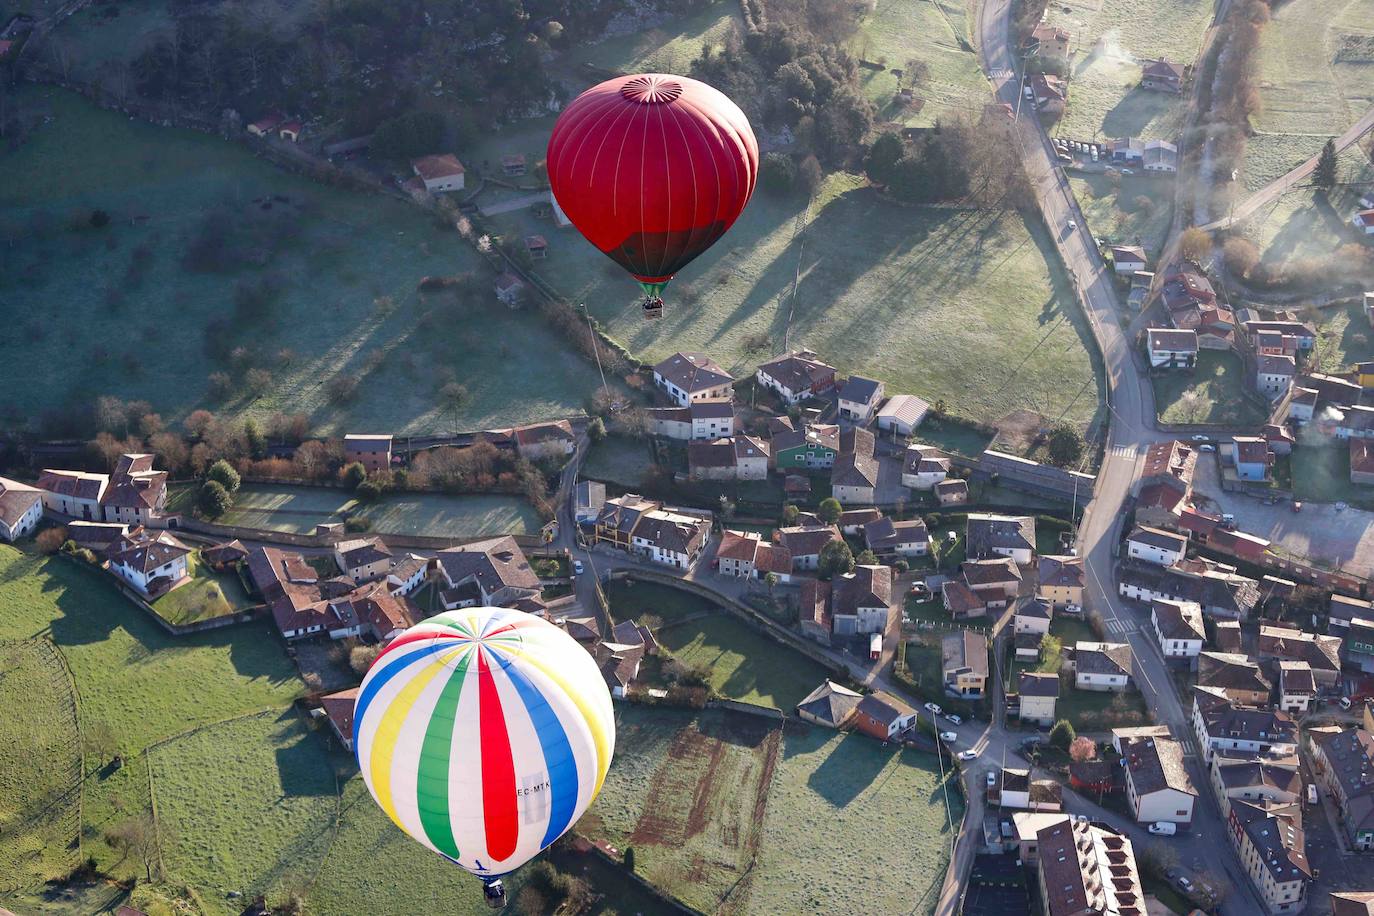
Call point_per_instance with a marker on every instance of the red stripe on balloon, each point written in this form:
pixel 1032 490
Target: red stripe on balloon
pixel 413 636
pixel 498 767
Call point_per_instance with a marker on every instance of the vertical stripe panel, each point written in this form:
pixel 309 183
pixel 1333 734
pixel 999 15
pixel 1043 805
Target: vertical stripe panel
pixel 498 768
pixel 432 787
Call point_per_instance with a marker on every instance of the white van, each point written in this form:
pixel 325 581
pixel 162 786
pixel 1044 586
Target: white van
pixel 1345 702
pixel 1164 828
pixel 1311 793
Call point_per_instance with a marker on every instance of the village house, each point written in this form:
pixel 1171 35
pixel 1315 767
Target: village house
pixel 852 521
pixel 1225 726
pixel 745 555
pixel 136 494
pixel 813 611
pixel 670 536
pixel 923 467
pixel 1248 778
pixel 510 289
pixel 1297 686
pixel 266 125
pixel 688 376
pixel 861 601
pixel 1355 422
pixel 1178 627
pixel 1050 41
pixel 1364 221
pixel 1160 156
pixel 540 441
pixel 152 563
pixel 1154 545
pixel 1102 666
pixel 1127 259
pixel 964 661
pixel 338 709
pixel 618 517
pixel 854 478
pixel 831 705
pixel 1226 636
pixel 1061 580
pixel 1237 676
pixel 305 605
pixel 224 556
pixel 620 656
pixel 363 559
pixel 513 165
pixel 1047 89
pixel 1087 869
pixel 372 452
pixel 804 543
pixel 1033 616
pixel 1038 693
pixel 996 581
pixel 1321 652
pixel 21 507
pixel 962 602
pixel 814 446
pixel 1165 484
pixel 1026 824
pixel 1157 783
pixel 1344 765
pixel 1010 536
pixel 589 500
pixel 440 173
pixel 1352 903
pixel 1172 348
pixel 290 130
pixel 1252 457
pixel 797 376
pixel 902 414
pixel 887 538
pixel 859 398
pixel 407 574
pixel 1362 461
pixel 1274 375
pixel 952 492
pixel 881 715
pixel 1016 788
pixel 733 458
pixel 537 247
pixel 707 418
pixel 1272 847
pixel 1161 75
pixel 490 573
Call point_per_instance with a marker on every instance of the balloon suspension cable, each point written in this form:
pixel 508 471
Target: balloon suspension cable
pixel 653 290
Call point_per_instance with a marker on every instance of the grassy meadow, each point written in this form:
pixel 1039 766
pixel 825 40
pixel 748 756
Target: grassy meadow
pixel 1133 207
pixel 1213 392
pixel 207 595
pixel 337 271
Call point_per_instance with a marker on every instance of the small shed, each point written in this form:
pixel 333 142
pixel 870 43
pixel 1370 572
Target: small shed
pixel 537 247
pixel 513 164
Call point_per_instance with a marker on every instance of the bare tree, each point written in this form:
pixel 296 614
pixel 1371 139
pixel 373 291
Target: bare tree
pixel 137 837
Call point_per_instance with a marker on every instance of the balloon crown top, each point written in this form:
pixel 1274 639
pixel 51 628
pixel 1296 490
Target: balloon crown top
pixel 651 90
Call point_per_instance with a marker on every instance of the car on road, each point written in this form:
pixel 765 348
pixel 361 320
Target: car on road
pixel 953 718
pixel 1163 828
pixel 1127 172
pixel 1072 225
pixel 1199 438
pixel 969 754
pixel 577 567
pixel 1182 881
pixel 1341 507
pixel 948 737
pixel 933 709
pixel 1206 447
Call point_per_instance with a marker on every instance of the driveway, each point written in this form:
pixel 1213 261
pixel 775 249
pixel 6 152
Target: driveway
pixel 1319 532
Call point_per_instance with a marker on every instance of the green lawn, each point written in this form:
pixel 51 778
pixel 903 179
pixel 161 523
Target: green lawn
pixel 886 809
pixel 345 266
pixel 1212 393
pixel 951 304
pixel 952 436
pixel 668 48
pixel 207 595
pixel 1134 209
pixel 282 507
pixel 745 664
pixel 1344 338
pixel 619 460
pixel 1321 474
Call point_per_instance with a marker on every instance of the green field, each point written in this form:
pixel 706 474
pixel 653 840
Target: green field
pixel 951 304
pixel 281 507
pixel 620 460
pixel 1109 37
pixel 1321 474
pixel 209 594
pixel 1344 338
pixel 1212 393
pixel 666 48
pixel 1302 223
pixel 40 764
pixel 1134 209
pixel 343 268
pixel 934 32
pixel 745 665
pixel 882 814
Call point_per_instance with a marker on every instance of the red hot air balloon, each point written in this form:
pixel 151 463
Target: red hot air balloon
pixel 652 169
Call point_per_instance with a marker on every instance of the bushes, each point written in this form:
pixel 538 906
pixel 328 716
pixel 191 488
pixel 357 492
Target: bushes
pixel 223 473
pixel 213 500
pixel 358 524
pixel 50 540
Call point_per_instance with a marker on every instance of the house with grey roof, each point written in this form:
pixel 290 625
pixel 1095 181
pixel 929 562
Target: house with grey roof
pixel 1157 784
pixel 688 376
pixel 832 705
pixel 1102 666
pixel 854 478
pixel 21 507
pixel 989 535
pixel 859 398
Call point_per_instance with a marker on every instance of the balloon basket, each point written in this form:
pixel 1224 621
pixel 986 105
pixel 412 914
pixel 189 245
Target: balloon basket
pixel 495 894
pixel 652 306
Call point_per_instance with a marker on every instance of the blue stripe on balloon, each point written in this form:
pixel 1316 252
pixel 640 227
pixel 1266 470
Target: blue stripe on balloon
pixel 558 753
pixel 383 676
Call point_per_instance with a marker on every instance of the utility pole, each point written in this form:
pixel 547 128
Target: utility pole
pixel 596 351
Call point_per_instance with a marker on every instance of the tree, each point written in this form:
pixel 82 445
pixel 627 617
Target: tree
pixel 100 740
pixel 353 475
pixel 1065 445
pixel 770 579
pixel 1324 175
pixel 883 157
pixel 1051 654
pixel 1082 748
pixel 136 837
pixel 866 558
pixel 415 133
pixel 630 858
pixel 369 491
pixel 810 175
pixel 1062 735
pixel 1195 244
pixel 778 173
pixel 252 429
pixel 829 510
pixel 360 658
pixel 50 540
pixel 835 559
pixel 790 514
pixel 596 430
pixel 224 474
pixel 214 500
pixel 1240 256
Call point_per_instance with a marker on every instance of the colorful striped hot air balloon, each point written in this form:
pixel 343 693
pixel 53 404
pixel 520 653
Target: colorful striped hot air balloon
pixel 484 734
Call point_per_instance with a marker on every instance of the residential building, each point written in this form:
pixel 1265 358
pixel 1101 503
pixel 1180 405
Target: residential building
pixel 1238 676
pixel 305 605
pixel 539 441
pixel 797 376
pixel 1127 259
pixel 1322 653
pixel 923 467
pixel 1362 461
pixel 338 709
pixel 619 516
pixel 1033 615
pixel 1228 727
pixel 1302 404
pixel 1010 536
pixel 1087 869
pixel 908 538
pixel 1343 609
pixel 952 492
pixel 1015 788
pixel 1178 627
pixel 881 715
pixel 814 446
pixel 510 289
pixel 619 657
pixel 1359 644
pixel 1160 156
pixel 1102 666
pixel 901 414
pixel 440 173
pixel 1274 374
pixel 735 553
pixel 670 536
pixel 706 418
pixel 830 704
pixel 859 398
pixel 1061 580
pixel 1038 693
pixel 1161 75
pixel 1027 824
pixel 861 601
pixel 225 555
pixel 1364 221
pixel 1355 422
pixel 1226 636
pixel 1154 545
pixel 688 376
pixel 1157 783
pixel 590 499
pixel 964 661
pixel 1172 348
pixel 962 602
pixel 804 543
pixel 406 575
pixel 371 451
pixel 363 559
pixel 733 458
pixel 1249 778
pixel 1252 457
pixel 1165 484
pixel 1352 903
pixel 21 507
pixel 1343 762
pixel 854 478
pixel 152 563
pixel 1221 591
pixel 996 581
pixel 1050 41
pixel 814 611
pixel 1297 686
pixel 493 573
pixel 853 521
pixel 1271 845
pixel 75 494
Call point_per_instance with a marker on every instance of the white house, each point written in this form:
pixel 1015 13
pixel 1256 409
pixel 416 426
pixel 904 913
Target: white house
pixel 1160 156
pixel 1157 783
pixel 861 601
pixel 1274 374
pixel 21 506
pixel 796 376
pixel 150 564
pixel 1038 693
pixel 688 376
pixel 1222 725
pixel 441 172
pixel 1364 221
pixel 907 538
pixel 670 537
pixel 923 467
pixel 1127 259
pixel 362 559
pixel 406 575
pixel 1102 666
pixel 1154 545
pixel 901 414
pixel 75 494
pixel 1172 348
pixel 859 398
pixel 1178 627
pixel 1033 615
pixel 1010 536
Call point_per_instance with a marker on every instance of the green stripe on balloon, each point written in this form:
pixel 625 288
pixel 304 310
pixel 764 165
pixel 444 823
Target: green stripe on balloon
pixel 434 764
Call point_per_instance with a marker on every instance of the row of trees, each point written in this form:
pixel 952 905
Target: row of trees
pixel 959 158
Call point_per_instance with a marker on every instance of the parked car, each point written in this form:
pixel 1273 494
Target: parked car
pixel 933 709
pixel 1199 438
pixel 1183 882
pixel 577 567
pixel 955 719
pixel 1207 447
pixel 1127 172
pixel 1345 703
pixel 969 754
pixel 1163 828
pixel 992 777
pixel 949 737
pixel 1311 793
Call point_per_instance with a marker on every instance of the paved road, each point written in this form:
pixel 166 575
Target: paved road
pixel 1284 183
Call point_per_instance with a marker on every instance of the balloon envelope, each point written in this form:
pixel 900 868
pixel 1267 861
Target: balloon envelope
pixel 484 734
pixel 652 169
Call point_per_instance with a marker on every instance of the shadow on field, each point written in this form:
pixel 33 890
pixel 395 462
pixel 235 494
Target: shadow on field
pixel 850 768
pixel 1137 108
pixel 302 761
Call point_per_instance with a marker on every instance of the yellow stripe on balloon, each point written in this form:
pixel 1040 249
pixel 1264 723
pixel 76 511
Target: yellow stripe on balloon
pixel 389 729
pixel 589 715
